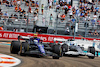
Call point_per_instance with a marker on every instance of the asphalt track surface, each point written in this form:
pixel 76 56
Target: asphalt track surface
pixel 29 61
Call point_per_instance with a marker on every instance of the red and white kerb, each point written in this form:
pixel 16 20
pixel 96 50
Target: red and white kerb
pixel 8 61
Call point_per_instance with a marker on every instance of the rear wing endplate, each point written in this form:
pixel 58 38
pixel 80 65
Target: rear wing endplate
pixel 60 40
pixel 23 37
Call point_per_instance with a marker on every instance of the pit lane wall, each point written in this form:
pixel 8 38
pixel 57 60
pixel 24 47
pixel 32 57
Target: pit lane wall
pixel 44 37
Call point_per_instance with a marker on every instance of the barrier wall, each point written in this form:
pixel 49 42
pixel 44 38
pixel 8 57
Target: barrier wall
pixel 44 37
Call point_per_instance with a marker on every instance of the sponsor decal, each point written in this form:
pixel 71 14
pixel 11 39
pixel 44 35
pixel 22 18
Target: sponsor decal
pixel 44 37
pixel 0 34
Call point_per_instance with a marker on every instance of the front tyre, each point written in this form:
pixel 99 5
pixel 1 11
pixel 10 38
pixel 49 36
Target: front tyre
pixel 91 50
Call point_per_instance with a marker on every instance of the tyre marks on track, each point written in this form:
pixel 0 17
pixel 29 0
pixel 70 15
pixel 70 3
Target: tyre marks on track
pixel 49 62
pixel 81 61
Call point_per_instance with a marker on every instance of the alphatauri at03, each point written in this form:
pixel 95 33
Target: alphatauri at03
pixel 72 49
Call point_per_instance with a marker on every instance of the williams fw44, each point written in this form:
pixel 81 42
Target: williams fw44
pixel 34 46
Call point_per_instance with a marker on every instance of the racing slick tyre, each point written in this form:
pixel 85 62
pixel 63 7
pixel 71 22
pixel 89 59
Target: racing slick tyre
pixel 15 47
pixel 64 48
pixel 57 49
pixel 91 50
pixel 91 57
pixel 23 48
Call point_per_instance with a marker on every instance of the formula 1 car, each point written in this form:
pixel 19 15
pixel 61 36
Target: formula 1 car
pixel 34 45
pixel 74 50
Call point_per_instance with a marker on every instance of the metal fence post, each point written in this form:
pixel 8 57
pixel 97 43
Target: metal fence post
pixel 86 30
pixel 40 6
pixel 75 26
pixel 74 30
pixel 27 24
pixel 70 29
pixel 55 26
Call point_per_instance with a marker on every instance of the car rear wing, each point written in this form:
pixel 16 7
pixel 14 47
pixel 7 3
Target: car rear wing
pixel 23 37
pixel 59 40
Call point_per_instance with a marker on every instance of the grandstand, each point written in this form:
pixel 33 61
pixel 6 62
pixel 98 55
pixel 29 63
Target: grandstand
pixel 58 27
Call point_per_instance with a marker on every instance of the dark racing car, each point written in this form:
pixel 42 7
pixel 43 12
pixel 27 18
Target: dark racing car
pixel 34 45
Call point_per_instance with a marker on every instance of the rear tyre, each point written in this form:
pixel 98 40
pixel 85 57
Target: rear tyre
pixel 91 50
pixel 23 48
pixel 15 47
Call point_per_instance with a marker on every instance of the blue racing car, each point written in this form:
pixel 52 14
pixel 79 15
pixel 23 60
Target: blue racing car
pixel 34 45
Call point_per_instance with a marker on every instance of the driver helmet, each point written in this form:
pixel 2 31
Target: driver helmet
pixel 35 35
